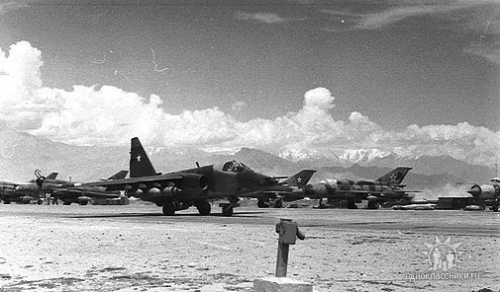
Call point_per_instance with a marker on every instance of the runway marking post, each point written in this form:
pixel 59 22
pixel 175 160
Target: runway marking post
pixel 288 233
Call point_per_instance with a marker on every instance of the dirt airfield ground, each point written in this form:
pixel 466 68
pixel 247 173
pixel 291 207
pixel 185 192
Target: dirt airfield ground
pixel 134 248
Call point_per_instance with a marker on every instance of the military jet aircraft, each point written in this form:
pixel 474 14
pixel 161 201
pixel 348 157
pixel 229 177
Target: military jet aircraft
pixel 385 188
pixel 83 193
pixel 42 185
pixel 26 192
pixel 291 189
pixel 487 194
pixel 192 187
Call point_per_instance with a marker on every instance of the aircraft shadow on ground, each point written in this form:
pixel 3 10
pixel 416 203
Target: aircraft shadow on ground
pixel 132 215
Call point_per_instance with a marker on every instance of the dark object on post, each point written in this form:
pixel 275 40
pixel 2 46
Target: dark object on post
pixel 288 233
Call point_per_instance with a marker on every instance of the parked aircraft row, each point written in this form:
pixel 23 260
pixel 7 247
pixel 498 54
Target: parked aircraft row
pixel 232 180
pixel 66 191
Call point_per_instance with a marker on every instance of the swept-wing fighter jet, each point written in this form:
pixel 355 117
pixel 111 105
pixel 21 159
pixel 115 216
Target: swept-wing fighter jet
pixel 291 189
pixel 83 193
pixel 192 187
pixel 385 188
pixel 26 192
pixel 487 194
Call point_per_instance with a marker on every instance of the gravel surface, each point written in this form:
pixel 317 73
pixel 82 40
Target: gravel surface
pixel 134 248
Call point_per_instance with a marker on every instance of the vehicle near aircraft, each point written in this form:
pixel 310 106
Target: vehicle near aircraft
pixel 386 188
pixel 84 193
pixel 191 187
pixel 487 195
pixel 32 190
pixel 428 206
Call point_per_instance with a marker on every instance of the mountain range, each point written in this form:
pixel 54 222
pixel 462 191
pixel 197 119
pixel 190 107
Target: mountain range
pixel 22 153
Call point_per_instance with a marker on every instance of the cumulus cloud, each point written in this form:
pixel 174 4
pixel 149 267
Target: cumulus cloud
pixel 110 116
pixel 268 18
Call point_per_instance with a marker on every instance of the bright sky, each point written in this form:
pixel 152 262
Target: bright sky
pixel 406 77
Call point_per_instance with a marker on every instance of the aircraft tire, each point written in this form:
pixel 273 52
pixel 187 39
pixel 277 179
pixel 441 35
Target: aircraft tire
pixel 227 211
pixel 494 208
pixel 6 202
pixel 66 203
pixel 168 208
pixel 278 204
pixel 40 201
pixel 204 208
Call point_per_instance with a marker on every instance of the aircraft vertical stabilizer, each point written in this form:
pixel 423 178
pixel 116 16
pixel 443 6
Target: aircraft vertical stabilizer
pixel 300 179
pixel 394 177
pixel 52 175
pixel 140 165
pixel 119 175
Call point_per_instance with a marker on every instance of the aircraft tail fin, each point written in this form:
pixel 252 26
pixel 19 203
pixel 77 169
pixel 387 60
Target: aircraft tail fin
pixel 140 165
pixel 394 177
pixel 119 175
pixel 300 179
pixel 52 175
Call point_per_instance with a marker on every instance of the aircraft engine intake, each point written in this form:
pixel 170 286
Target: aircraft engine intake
pixel 195 181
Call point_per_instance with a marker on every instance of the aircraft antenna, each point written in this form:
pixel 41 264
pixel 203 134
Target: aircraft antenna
pixel 197 164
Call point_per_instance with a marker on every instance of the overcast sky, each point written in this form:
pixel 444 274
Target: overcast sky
pixel 413 76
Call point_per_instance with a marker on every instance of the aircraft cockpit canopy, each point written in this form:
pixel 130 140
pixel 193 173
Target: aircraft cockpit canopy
pixel 235 166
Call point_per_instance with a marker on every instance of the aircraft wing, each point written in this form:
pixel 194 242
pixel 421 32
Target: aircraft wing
pixel 73 194
pixel 135 182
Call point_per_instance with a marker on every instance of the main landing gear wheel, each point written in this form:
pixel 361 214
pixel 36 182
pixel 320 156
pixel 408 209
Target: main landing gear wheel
pixel 227 211
pixel 168 208
pixel 204 208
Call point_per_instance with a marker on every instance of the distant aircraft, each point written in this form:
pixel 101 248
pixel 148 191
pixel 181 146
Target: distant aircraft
pixel 385 188
pixel 291 189
pixel 84 193
pixel 37 188
pixel 34 189
pixel 192 187
pixel 487 194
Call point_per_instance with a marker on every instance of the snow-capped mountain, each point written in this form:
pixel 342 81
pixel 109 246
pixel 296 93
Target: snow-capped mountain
pixel 21 154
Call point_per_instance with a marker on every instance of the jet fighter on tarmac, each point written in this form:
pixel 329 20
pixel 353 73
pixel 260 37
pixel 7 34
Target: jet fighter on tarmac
pixel 191 187
pixel 83 193
pixel 487 194
pixel 34 189
pixel 385 188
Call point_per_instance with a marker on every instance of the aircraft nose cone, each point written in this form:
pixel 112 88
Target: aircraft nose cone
pixel 474 191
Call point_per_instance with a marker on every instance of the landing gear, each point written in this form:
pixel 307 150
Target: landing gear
pixel 262 204
pixel 278 203
pixel 168 208
pixel 494 206
pixel 227 210
pixel 372 205
pixel 203 207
